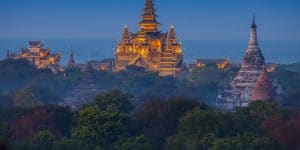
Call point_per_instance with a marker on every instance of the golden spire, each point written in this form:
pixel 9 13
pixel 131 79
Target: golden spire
pixel 125 36
pixel 149 23
pixel 172 37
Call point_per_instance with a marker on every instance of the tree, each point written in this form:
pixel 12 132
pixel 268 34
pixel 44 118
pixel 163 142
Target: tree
pixel 158 119
pixel 247 141
pixel 56 119
pixel 284 130
pixel 198 129
pixel 43 140
pixel 66 144
pixel 180 142
pixel 25 98
pixel 114 99
pixel 249 118
pixel 134 143
pixel 15 73
pixel 99 129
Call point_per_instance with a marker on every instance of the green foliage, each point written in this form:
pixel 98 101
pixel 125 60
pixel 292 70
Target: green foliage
pixel 114 99
pixel 47 87
pixel 15 72
pixel 258 111
pixel 202 84
pixel 99 128
pixel 158 119
pixel 66 144
pixel 180 142
pixel 134 143
pixel 198 129
pixel 208 80
pixel 25 98
pixel 209 129
pixel 289 77
pixel 247 141
pixel 200 122
pixel 43 140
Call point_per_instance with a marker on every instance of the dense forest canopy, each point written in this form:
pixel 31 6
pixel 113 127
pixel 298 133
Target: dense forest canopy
pixel 140 110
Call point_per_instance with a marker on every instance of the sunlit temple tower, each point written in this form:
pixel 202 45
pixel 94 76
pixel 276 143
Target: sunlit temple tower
pixel 240 92
pixel 150 48
pixel 37 55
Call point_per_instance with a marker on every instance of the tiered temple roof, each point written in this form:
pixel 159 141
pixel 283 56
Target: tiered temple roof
pixel 149 47
pixel 220 63
pixel 39 56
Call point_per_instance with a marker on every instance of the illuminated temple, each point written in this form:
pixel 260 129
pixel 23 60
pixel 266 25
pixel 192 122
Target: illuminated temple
pixel 37 55
pixel 150 48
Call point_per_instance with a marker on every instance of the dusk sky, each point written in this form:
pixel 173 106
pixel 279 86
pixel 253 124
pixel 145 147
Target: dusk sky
pixel 193 19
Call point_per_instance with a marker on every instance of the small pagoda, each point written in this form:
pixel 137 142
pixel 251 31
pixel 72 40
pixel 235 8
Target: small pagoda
pixel 37 55
pixel 263 89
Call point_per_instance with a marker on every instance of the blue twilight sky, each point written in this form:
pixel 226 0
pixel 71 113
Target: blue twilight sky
pixel 193 19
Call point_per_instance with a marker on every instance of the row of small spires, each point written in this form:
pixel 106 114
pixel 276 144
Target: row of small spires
pixel 171 34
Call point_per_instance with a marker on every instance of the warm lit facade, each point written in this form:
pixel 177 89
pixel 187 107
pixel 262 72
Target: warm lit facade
pixel 222 64
pixel 150 48
pixel 38 55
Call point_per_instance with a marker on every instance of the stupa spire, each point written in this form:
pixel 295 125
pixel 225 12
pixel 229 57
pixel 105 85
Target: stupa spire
pixel 149 23
pixel 71 62
pixel 253 35
pixel 125 36
pixel 172 37
pixel 263 89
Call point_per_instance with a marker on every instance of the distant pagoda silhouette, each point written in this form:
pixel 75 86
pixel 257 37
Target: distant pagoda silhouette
pixel 71 61
pixel 84 92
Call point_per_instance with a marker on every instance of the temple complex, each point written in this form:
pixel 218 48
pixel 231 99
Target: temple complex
pixel 37 55
pixel 239 94
pixel 263 89
pixel 150 48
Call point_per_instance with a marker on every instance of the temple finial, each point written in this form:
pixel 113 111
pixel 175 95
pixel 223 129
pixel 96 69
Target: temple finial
pixel 125 36
pixel 253 35
pixel 253 21
pixel 172 37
